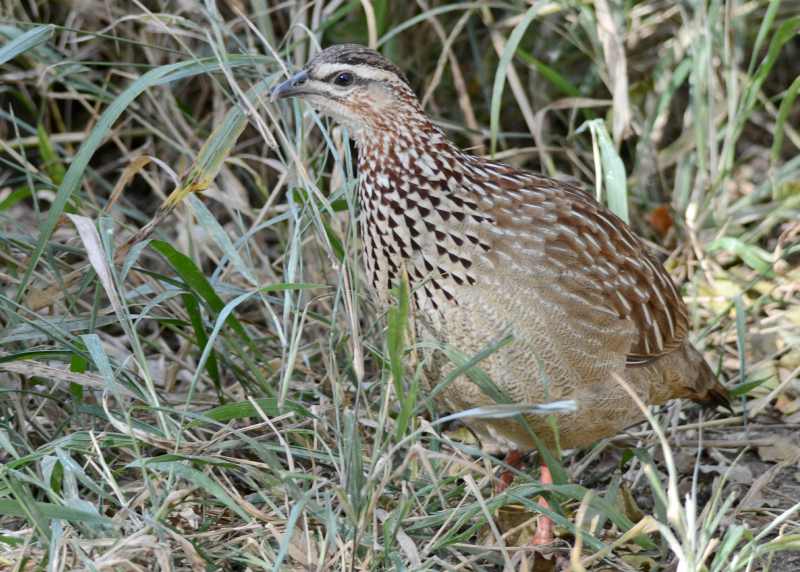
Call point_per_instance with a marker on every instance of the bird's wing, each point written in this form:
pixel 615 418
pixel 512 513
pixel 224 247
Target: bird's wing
pixel 593 254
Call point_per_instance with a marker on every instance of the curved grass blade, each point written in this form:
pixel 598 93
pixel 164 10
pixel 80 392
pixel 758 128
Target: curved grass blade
pixel 51 511
pixel 202 481
pixel 612 168
pixel 502 71
pixel 786 107
pixel 196 281
pixel 245 409
pixel 24 42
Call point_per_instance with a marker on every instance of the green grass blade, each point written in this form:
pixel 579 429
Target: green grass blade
pixel 502 71
pixel 396 335
pixel 196 318
pixel 245 409
pixel 763 31
pixel 24 42
pixel 614 178
pixel 196 281
pixel 786 107
pixel 51 511
pixel 202 481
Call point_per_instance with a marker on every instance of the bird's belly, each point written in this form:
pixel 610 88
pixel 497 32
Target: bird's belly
pixel 533 355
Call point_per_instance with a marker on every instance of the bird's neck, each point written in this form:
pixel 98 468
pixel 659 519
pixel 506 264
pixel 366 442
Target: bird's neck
pixel 404 150
pixel 415 211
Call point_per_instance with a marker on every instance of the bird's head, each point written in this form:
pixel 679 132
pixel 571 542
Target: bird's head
pixel 356 86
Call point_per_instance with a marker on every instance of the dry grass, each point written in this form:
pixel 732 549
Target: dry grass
pixel 202 384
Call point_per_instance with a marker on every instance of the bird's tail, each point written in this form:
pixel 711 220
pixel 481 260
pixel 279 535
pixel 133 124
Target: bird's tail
pixel 704 386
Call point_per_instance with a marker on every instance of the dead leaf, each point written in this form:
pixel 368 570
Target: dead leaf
pixel 630 508
pixel 517 524
pixel 640 562
pixel 30 368
pixel 787 405
pixel 612 40
pixel 660 219
pixel 755 497
pixel 190 517
pixel 782 450
pixel 735 474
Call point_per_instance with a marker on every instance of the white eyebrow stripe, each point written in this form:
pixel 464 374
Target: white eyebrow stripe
pixel 362 71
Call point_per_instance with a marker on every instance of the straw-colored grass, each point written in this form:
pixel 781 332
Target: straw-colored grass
pixel 192 375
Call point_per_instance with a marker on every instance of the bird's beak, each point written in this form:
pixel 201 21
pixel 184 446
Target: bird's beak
pixel 291 87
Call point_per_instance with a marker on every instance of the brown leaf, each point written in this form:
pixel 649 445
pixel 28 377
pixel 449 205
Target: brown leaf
pixel 735 474
pixel 660 219
pixel 629 505
pixel 782 450
pixel 787 405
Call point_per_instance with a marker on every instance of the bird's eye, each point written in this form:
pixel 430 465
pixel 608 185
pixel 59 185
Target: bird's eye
pixel 344 79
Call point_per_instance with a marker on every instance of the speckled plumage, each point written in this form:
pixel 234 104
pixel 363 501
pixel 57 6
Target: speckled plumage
pixel 490 250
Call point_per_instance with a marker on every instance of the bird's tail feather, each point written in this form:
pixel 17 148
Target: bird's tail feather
pixel 706 388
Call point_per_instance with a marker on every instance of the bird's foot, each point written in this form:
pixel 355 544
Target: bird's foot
pixel 544 528
pixel 544 532
pixel 543 537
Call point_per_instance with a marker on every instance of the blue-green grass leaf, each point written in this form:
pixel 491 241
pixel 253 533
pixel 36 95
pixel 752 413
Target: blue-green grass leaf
pixel 24 42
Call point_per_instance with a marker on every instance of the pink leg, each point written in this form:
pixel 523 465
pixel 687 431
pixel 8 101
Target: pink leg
pixel 513 459
pixel 544 528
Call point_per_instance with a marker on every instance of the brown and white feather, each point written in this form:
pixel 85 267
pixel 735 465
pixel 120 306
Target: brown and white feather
pixel 491 250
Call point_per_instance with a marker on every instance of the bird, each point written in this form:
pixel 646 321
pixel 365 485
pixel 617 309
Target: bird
pixel 492 252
